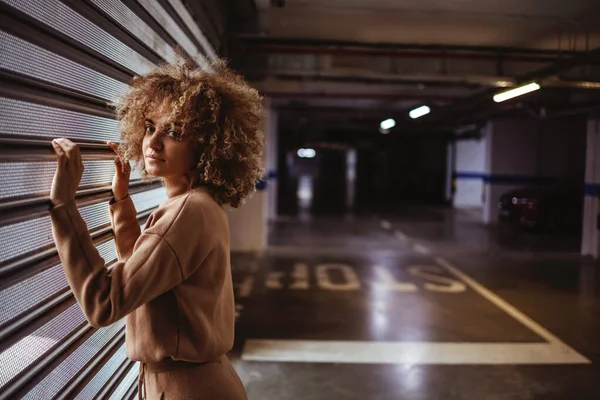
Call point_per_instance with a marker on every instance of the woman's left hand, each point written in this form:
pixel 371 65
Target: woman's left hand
pixel 68 172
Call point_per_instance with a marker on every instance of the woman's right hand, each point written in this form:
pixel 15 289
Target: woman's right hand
pixel 120 183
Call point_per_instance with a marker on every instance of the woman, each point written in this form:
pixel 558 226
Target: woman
pixel 198 131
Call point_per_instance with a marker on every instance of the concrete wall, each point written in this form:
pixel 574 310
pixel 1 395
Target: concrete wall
pixel 469 171
pixel 248 225
pixel 590 243
pixel 561 145
pixel 271 149
pixel 524 151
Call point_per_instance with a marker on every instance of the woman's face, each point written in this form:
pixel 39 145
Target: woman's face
pixel 167 151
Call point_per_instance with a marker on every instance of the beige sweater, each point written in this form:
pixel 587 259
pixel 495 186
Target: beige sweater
pixel 172 282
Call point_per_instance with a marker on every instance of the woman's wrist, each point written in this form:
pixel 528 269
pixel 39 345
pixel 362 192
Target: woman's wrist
pixel 120 198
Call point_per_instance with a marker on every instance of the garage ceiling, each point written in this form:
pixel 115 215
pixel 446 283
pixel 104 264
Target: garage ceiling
pixel 366 57
pixel 509 8
pixel 527 23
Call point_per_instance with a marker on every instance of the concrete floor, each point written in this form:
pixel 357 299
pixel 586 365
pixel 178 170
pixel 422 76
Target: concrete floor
pixel 423 304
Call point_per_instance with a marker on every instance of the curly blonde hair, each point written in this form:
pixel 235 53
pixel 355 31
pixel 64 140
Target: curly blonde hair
pixel 217 109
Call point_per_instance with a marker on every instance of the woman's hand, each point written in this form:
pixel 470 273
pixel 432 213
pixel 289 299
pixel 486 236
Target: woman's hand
pixel 68 172
pixel 120 183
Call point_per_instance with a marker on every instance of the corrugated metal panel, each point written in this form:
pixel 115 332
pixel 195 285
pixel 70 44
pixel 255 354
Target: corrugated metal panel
pixel 48 350
pixel 34 291
pixel 31 60
pixel 35 178
pixel 136 26
pixel 164 19
pixel 104 374
pixel 126 384
pixel 62 18
pixel 184 14
pixel 51 385
pixel 23 118
pixel 33 347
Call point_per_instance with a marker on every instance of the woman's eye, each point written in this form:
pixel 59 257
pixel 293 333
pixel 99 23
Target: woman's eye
pixel 150 129
pixel 175 135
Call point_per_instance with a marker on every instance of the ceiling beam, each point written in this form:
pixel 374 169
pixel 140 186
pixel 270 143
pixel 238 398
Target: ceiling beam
pixel 318 46
pixel 456 110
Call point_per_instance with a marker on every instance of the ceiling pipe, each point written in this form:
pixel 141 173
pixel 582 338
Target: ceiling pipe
pixel 316 46
pixel 455 110
pixel 356 96
pixel 251 39
pixel 423 54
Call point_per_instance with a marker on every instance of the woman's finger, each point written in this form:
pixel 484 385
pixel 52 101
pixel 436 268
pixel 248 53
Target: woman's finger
pixel 114 147
pixel 59 152
pixel 66 146
pixel 73 152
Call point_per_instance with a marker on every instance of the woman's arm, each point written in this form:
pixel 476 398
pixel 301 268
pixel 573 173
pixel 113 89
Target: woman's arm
pixel 123 219
pixel 152 269
pixel 123 216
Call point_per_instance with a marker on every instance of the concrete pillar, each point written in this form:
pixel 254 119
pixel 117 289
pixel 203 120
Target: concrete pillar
pixel 590 242
pixel 248 225
pixel 469 173
pixel 525 151
pixel 350 179
pixel 271 162
pixel 510 160
pixel 450 170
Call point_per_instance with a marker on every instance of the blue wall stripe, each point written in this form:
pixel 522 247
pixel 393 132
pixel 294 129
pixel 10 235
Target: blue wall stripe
pixel 263 183
pixel 505 179
pixel 592 189
pixel 469 175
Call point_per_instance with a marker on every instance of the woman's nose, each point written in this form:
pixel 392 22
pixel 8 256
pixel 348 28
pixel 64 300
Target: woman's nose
pixel 155 141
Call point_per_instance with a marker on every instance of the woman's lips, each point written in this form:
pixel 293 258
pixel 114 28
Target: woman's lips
pixel 154 158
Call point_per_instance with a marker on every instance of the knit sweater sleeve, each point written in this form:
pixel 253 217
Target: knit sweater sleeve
pixel 123 220
pixel 154 267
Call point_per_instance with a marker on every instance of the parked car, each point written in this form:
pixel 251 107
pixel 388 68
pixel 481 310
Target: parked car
pixel 548 208
pixel 511 203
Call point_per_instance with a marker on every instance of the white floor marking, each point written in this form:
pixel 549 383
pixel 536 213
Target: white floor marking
pixel 419 248
pixel 246 287
pixel 400 236
pixel 325 282
pixel 301 277
pixel 273 280
pixel 388 282
pixel 386 224
pixel 553 351
pixel 442 284
pixel 328 351
pixel 498 302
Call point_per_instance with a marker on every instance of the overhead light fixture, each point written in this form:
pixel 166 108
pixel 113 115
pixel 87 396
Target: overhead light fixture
pixel 387 124
pixel 306 153
pixel 519 91
pixel 419 112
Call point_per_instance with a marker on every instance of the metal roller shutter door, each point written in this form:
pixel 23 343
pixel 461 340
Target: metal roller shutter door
pixel 60 67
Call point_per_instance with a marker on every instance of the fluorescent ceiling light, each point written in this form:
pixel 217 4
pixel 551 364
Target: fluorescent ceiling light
pixel 419 112
pixel 387 124
pixel 521 90
pixel 307 153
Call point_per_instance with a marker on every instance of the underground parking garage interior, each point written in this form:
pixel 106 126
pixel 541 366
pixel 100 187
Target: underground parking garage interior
pixel 426 226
